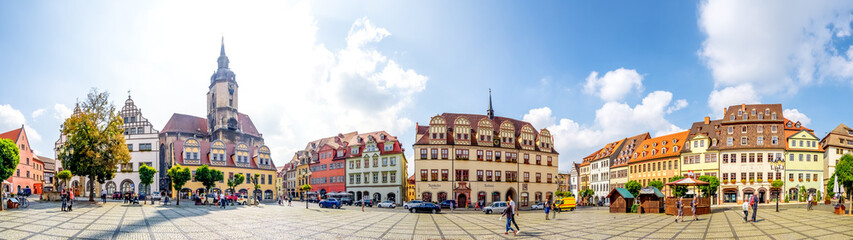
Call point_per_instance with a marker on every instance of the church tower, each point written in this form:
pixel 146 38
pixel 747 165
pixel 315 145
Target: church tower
pixel 222 100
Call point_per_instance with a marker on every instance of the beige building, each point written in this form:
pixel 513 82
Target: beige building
pixel 474 158
pixel 838 142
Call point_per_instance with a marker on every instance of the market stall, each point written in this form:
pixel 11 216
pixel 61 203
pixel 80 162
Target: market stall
pixel 651 200
pixel 620 200
pixel 703 205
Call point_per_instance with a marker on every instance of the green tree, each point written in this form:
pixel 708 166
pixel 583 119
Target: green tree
pixel 64 175
pixel 633 187
pixel 179 177
pixel 146 177
pixel 10 156
pixel 711 189
pixel 803 194
pixel 306 188
pixel 830 187
pixel 235 181
pixel 844 173
pixel 256 185
pixel 208 177
pixel 678 191
pixel 95 140
pixel 656 183
pixel 776 184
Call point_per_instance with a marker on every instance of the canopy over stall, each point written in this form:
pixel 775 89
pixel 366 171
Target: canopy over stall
pixel 703 205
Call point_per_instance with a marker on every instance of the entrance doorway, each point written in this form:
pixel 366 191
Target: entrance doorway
pixel 462 200
pixel 510 194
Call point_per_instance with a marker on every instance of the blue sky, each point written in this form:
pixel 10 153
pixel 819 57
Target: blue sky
pixel 592 72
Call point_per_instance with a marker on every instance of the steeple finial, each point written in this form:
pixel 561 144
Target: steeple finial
pixel 490 112
pixel 128 94
pixel 223 60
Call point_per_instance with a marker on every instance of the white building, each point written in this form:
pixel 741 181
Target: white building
pixel 376 168
pixel 600 171
pixel 574 177
pixel 143 144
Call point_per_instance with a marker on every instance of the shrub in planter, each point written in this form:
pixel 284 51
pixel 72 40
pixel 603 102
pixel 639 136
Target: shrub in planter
pixel 634 208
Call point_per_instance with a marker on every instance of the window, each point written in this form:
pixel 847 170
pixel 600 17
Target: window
pixel 434 174
pixel 488 155
pixel 480 155
pixel 729 141
pixel 743 129
pixel 384 161
pixel 389 147
pixel 725 158
pixel 433 153
pixel 526 158
pixel 375 177
pixel 538 160
pixel 760 129
pixel 759 141
pixel 393 161
pixel 743 140
pixel 130 147
pixel 445 174
pixel 743 158
pixel 497 156
pixel 423 153
pixel 497 176
pixel 444 154
pixel 773 128
pixel 731 130
pixel 526 177
pixel 773 116
pixel 752 157
pixel 549 160
pixel 549 177
pixel 774 140
pixel 480 175
pixel 144 147
pixel 538 177
pixel 384 177
pixel 760 157
pixel 424 173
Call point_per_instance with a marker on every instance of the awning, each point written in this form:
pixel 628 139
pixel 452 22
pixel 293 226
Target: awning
pixel 688 181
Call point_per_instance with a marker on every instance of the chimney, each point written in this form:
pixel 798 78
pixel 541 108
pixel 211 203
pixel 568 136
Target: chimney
pixel 707 120
pixel 724 111
pixel 743 107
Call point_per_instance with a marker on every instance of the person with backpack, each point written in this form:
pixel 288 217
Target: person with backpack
pixel 64 197
pixel 508 212
pixel 693 204
pixel 754 202
pixel 679 205
pixel 547 209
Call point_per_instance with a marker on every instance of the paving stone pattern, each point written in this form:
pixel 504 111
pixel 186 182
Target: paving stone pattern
pixel 120 221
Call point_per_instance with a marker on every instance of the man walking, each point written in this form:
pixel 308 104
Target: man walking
pixel 514 211
pixel 508 213
pixel 64 197
pixel 754 201
pixel 104 196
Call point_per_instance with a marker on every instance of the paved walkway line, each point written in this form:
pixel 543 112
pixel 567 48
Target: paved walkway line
pixel 147 225
pixel 93 221
pixel 481 226
pixel 392 227
pixel 199 224
pixel 436 226
pixel 460 227
pixel 731 227
pixel 414 229
pixel 173 223
pixel 661 227
pixel 118 228
pixel 708 226
pixel 682 229
pixel 648 223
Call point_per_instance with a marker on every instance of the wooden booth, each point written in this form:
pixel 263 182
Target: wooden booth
pixel 651 200
pixel 703 205
pixel 620 200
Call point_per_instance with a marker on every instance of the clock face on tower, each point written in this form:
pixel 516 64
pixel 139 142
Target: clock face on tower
pixel 497 142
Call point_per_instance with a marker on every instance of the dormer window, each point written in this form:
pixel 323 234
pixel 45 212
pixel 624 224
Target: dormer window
pixel 789 125
pixel 382 136
pixel 798 125
pixel 389 147
pixel 773 117
pixel 753 112
pixel 739 113
pixel 191 149
pixel 664 142
pixel 355 150
pixel 732 117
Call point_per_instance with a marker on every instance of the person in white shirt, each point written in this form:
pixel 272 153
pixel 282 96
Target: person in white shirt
pixel 514 210
pixel 745 210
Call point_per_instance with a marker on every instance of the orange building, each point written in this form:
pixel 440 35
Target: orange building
pixel 30 172
pixel 657 158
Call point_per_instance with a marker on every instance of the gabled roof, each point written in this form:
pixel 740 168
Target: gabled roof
pixel 474 119
pixel 747 110
pixel 621 191
pixel 841 133
pixel 186 124
pixel 657 144
pixel 12 135
pixel 711 130
pixel 794 126
pixel 246 125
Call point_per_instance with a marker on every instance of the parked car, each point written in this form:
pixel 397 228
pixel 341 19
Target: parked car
pixel 330 203
pixel 537 206
pixel 409 204
pixel 447 203
pixel 367 203
pixel 425 207
pixel 387 204
pixel 155 196
pixel 566 203
pixel 496 207
pixel 313 199
pixel 346 200
pixel 209 198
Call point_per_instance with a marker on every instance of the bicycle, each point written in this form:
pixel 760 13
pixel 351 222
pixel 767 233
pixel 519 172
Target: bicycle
pixel 23 202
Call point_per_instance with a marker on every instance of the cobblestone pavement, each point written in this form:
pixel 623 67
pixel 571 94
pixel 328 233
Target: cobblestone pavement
pixel 120 221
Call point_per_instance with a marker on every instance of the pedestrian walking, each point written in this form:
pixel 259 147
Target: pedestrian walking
pixel 514 211
pixel 679 205
pixel 811 198
pixel 547 209
pixel 71 200
pixel 693 204
pixel 554 211
pixel 362 204
pixel 745 211
pixel 289 200
pixel 754 208
pixel 64 197
pixel 104 196
pixel 508 212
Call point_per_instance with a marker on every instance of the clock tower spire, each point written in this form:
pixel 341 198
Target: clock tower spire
pixel 222 97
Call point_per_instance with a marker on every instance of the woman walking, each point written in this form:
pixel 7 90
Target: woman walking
pixel 745 211
pixel 70 199
pixel 679 205
pixel 693 208
pixel 64 197
pixel 508 212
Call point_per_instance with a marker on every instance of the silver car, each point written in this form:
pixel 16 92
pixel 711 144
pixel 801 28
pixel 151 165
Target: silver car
pixel 497 207
pixel 412 203
pixel 387 204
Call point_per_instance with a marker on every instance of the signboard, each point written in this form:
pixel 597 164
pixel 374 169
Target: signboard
pixel 647 190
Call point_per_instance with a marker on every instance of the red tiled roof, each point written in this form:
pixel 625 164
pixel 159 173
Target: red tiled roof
pixel 204 153
pixel 12 135
pixel 186 124
pixel 474 119
pixel 247 125
pixel 794 126
pixel 672 140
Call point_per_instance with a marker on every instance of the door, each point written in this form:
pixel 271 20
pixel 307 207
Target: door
pixel 462 200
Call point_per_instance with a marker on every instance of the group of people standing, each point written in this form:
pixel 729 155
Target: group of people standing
pixel 67 197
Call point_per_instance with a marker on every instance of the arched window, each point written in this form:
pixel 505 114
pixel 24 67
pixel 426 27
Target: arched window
pixel 241 153
pixel 217 151
pixel 264 155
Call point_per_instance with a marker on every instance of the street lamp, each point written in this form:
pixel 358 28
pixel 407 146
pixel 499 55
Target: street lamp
pixel 778 164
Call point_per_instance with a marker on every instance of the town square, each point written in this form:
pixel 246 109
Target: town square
pixel 270 221
pixel 379 119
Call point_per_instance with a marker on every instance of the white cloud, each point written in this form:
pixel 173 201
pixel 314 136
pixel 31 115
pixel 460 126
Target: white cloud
pixel 61 112
pixel 38 112
pixel 720 99
pixel 11 118
pixel 795 115
pixel 613 121
pixel 614 85
pixel 765 47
